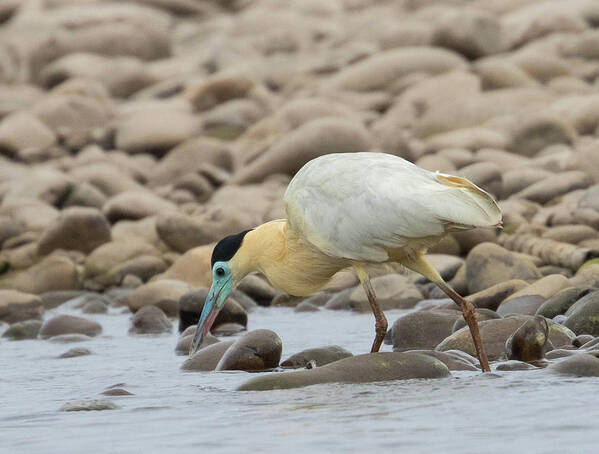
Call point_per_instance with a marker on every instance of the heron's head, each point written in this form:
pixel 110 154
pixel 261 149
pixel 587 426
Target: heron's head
pixel 227 270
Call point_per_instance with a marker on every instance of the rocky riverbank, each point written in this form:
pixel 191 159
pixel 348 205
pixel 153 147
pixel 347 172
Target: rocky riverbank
pixel 135 135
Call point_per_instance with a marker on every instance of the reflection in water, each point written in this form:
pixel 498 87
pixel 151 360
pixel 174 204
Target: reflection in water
pixel 172 411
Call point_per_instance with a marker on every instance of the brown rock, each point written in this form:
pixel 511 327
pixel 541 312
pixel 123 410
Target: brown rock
pixel 489 264
pixel 155 130
pixel 422 330
pixel 193 267
pixel 207 358
pixel 23 130
pixel 81 229
pixel 150 320
pixel 17 306
pixel 69 324
pixel 256 350
pixel 494 334
pixel 529 299
pixel 135 205
pixel 491 298
pixel 164 293
pixel 554 186
pixel 313 139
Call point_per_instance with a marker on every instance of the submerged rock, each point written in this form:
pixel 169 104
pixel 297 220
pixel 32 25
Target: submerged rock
pixel 150 320
pixel 583 365
pixel 28 329
pixel 89 405
pixel 76 351
pixel 366 368
pixel 320 355
pixel 69 324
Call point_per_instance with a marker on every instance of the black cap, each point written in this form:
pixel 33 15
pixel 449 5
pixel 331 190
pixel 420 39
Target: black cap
pixel 226 248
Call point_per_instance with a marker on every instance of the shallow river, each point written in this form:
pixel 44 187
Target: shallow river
pixel 175 412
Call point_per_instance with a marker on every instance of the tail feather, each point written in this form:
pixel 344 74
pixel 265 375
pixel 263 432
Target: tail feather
pixel 474 206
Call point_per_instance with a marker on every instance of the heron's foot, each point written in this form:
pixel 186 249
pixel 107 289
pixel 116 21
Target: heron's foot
pixel 381 331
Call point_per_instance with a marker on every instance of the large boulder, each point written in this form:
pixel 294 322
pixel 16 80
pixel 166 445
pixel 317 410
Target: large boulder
pixel 495 333
pixel 17 306
pixel 257 350
pixel 69 324
pixel 367 368
pixel 489 264
pixel 53 272
pixel 77 228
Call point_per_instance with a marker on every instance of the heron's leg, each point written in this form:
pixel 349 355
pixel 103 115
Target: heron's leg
pixel 420 265
pixel 381 322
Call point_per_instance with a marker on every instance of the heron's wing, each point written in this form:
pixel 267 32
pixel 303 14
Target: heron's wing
pixel 355 205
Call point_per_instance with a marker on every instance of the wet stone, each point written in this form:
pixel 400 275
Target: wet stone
pixel 228 329
pixel 89 405
pixel 28 329
pixel 452 360
pixel 69 338
pixel 529 342
pixel 257 350
pixel 306 306
pixel 320 355
pixel 583 365
pixel 150 320
pixel 69 324
pixel 559 303
pixel 366 368
pixel 116 392
pixel 76 351
pixel 207 358
pixel 423 329
pixel 514 365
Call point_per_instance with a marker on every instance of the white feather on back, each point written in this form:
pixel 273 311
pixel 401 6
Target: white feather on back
pixel 354 205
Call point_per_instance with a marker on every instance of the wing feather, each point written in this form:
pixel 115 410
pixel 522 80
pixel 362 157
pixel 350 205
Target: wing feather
pixel 355 205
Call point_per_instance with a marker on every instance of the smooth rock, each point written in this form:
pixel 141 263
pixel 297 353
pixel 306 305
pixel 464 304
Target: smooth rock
pixel 559 303
pixel 494 334
pixel 529 342
pixel 17 306
pixel 27 329
pixel 191 305
pixel 583 365
pixel 69 324
pixel 75 352
pixel 481 315
pixel 207 358
pixel 135 205
pixel 150 320
pixel 89 405
pixel 514 365
pixel 77 228
pixel 393 291
pixel 583 315
pixel 164 294
pixel 69 338
pixel 257 350
pixel 489 264
pixel 320 355
pixel 228 329
pixel 452 360
pixel 422 330
pixel 367 368
pixel 306 306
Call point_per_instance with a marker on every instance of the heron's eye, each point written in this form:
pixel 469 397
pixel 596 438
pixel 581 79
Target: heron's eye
pixel 220 272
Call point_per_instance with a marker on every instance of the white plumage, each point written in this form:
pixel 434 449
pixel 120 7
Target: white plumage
pixel 354 205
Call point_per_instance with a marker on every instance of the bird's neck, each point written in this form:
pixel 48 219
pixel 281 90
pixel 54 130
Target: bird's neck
pixel 290 264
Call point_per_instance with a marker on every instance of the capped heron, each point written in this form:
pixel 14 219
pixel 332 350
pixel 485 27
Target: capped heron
pixel 351 210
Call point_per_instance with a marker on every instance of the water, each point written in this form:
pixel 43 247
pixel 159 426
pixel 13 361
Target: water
pixel 174 412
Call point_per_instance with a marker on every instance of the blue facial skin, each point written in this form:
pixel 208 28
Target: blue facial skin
pixel 222 284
